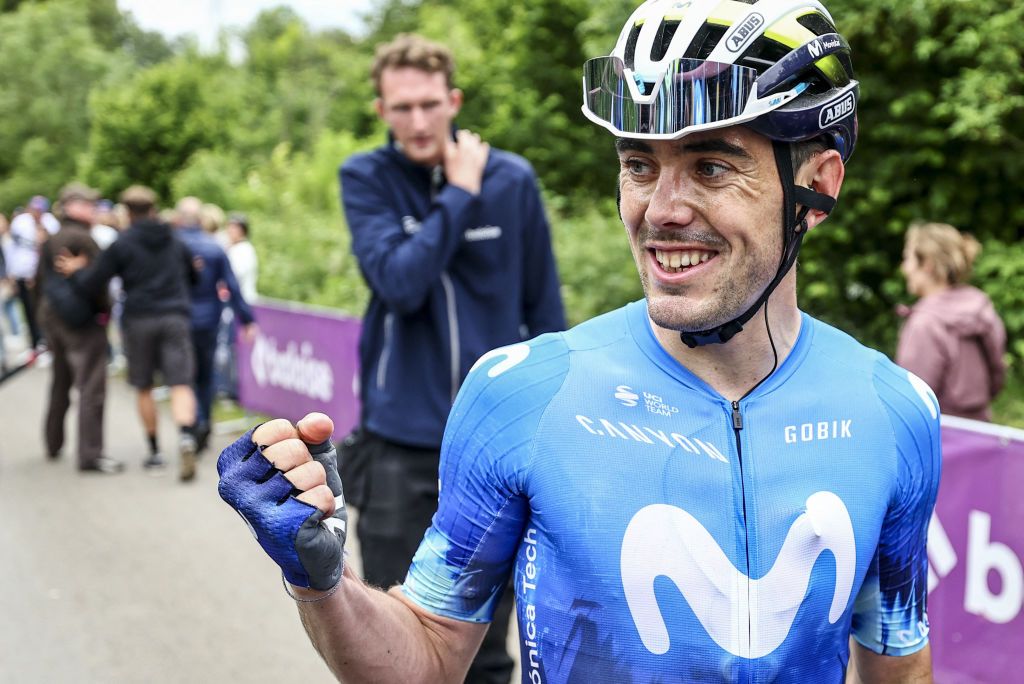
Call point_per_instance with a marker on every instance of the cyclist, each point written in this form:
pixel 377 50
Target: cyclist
pixel 708 485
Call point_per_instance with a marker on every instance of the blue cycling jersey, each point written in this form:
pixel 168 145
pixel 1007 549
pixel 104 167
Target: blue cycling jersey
pixel 656 532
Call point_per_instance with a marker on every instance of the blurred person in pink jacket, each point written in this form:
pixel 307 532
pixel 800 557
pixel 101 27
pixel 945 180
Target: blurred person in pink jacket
pixel 953 339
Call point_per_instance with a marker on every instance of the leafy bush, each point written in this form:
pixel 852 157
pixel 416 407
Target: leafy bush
pixel 215 176
pixel 146 130
pixel 595 263
pixel 1000 272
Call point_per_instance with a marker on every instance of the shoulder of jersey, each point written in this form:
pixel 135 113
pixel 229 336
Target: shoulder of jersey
pixel 528 366
pixel 898 388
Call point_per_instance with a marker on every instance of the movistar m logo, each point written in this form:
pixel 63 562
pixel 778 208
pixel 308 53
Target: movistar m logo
pixel 747 617
pixel 924 392
pixel 511 356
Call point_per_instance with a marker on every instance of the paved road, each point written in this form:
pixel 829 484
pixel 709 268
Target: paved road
pixel 130 578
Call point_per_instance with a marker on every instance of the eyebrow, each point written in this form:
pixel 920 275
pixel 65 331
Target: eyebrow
pixel 719 145
pixel 632 145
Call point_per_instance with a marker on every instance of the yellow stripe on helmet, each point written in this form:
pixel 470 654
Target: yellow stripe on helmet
pixel 786 31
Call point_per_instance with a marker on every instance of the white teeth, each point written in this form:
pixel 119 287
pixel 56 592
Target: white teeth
pixel 676 261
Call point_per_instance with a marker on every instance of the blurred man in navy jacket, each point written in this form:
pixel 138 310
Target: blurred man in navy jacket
pixel 452 239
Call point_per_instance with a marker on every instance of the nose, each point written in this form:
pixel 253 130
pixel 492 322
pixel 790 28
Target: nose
pixel 671 204
pixel 419 119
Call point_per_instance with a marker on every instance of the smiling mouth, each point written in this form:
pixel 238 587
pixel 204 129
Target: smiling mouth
pixel 678 261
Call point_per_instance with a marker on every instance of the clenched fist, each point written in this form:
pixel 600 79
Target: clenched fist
pixel 283 480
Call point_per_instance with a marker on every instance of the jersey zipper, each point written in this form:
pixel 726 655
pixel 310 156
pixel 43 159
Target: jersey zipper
pixel 737 427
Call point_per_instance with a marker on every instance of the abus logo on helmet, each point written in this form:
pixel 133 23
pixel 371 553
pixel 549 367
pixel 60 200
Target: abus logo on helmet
pixel 840 110
pixel 742 34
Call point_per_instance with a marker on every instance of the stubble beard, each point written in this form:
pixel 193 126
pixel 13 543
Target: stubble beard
pixel 704 306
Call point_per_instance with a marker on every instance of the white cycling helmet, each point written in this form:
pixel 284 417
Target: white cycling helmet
pixel 678 67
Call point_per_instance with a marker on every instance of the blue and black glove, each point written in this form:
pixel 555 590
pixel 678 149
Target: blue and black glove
pixel 308 547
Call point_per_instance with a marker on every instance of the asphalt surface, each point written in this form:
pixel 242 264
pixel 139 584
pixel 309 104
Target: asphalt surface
pixel 131 577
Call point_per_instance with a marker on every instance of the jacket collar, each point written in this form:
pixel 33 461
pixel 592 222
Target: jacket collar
pixel 395 151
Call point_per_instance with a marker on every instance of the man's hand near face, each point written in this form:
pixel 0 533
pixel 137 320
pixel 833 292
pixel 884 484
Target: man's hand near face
pixel 67 264
pixel 464 161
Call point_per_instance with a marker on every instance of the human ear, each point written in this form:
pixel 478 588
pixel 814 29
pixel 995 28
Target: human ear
pixel 455 98
pixel 824 173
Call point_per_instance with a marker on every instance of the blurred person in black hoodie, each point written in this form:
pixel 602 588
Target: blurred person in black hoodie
pixel 157 272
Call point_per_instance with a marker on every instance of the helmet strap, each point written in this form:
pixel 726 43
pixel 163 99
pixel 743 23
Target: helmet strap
pixel 797 202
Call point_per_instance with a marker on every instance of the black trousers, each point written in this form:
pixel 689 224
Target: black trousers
pixel 395 489
pixel 204 346
pixel 27 296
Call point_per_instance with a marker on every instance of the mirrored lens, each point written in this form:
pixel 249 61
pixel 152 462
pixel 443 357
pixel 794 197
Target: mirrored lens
pixel 691 92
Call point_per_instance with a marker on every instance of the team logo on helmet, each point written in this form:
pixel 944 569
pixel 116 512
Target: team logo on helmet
pixel 837 110
pixel 742 34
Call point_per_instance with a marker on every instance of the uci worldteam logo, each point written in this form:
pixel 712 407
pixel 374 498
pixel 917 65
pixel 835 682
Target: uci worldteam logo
pixel 666 541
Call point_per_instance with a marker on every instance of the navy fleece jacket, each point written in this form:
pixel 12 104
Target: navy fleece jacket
pixel 452 276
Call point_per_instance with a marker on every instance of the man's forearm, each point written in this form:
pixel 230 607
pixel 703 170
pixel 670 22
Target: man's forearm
pixel 366 635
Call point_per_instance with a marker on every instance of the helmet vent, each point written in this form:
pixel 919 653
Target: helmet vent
pixel 705 41
pixel 816 24
pixel 630 51
pixel 762 54
pixel 666 32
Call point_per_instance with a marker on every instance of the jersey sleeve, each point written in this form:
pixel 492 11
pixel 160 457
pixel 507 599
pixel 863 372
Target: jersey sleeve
pixel 464 561
pixel 890 613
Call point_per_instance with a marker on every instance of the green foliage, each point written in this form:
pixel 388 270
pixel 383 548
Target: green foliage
pixel 595 263
pixel 940 118
pixel 307 180
pixel 215 176
pixel 1000 272
pixel 147 129
pixel 300 84
pixel 304 256
pixel 1008 408
pixel 49 63
pixel 298 229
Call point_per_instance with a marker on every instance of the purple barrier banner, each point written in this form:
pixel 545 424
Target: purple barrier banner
pixel 302 360
pixel 975 552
